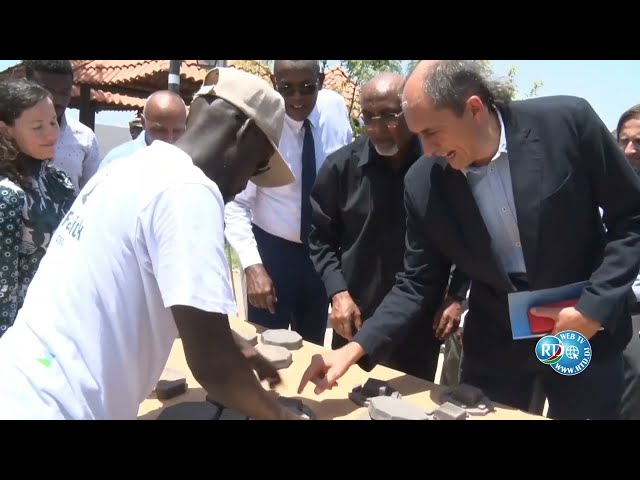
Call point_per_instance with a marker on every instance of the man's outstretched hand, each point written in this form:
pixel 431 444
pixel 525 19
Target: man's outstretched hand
pixel 326 368
pixel 263 367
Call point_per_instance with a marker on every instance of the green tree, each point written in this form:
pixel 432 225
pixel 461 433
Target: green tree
pixel 258 67
pixel 361 71
pixel 517 95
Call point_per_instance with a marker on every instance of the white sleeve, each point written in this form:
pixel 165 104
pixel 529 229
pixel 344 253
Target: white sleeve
pixel 347 128
pixel 183 231
pixel 237 218
pixel 333 104
pixel 91 162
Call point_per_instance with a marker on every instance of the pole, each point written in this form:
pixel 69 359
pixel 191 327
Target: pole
pixel 174 75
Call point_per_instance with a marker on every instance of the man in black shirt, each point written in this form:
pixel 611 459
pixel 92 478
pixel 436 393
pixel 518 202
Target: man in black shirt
pixel 358 235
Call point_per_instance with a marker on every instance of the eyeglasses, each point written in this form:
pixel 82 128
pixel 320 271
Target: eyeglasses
pixel 289 90
pixel 389 119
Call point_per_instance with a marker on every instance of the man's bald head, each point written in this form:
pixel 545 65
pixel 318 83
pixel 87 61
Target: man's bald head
pixel 164 117
pixel 448 84
pixel 311 66
pixel 414 88
pixel 383 85
pixel 164 101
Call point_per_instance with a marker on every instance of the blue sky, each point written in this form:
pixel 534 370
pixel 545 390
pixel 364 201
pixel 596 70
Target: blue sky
pixel 611 86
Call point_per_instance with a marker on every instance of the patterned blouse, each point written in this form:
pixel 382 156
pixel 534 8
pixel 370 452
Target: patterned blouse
pixel 27 223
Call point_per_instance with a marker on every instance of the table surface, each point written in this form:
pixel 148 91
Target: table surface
pixel 330 405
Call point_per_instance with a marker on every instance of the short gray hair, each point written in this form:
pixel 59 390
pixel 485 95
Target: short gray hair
pixel 633 112
pixel 451 82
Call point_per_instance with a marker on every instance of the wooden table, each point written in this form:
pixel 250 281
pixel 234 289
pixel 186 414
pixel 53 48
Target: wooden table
pixel 330 405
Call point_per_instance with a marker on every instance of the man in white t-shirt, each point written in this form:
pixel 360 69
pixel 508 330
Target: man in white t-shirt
pixel 140 259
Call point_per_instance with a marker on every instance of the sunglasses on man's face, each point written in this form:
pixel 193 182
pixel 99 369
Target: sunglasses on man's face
pixel 289 89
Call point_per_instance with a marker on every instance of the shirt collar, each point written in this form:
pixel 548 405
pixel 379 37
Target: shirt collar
pixel 142 139
pixel 314 116
pixel 502 147
pixel 63 121
pixel 314 119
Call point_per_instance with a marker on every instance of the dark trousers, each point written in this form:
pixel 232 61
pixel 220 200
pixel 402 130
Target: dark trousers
pixel 452 359
pixel 593 394
pixel 630 409
pixel 302 299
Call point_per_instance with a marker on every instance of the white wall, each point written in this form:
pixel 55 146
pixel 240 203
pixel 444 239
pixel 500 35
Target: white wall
pixel 110 136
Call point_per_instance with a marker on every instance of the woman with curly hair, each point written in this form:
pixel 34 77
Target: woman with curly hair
pixel 34 197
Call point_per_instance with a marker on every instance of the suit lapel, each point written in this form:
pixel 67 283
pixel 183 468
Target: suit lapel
pixel 525 164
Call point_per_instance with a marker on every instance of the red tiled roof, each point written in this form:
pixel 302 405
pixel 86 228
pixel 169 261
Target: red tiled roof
pixel 100 99
pixel 147 76
pixel 122 72
pixel 107 101
pixel 337 79
pixel 138 77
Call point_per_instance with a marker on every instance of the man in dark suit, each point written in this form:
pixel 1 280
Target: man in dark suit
pixel 357 237
pixel 628 137
pixel 510 194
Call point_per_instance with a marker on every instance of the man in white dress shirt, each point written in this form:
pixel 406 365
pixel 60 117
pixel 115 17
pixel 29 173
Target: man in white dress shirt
pixel 268 228
pixel 77 148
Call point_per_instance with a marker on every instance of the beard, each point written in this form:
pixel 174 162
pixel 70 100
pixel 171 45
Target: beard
pixel 387 151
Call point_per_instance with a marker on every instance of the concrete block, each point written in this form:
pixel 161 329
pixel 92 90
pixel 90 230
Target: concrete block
pixel 280 357
pixel 361 394
pixel 389 408
pixel 449 411
pixel 297 406
pixel 472 399
pixel 468 394
pixel 251 337
pixel 282 338
pixel 190 411
pixel 365 416
pixel 171 384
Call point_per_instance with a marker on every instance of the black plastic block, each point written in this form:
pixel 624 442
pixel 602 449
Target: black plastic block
pixel 190 411
pixel 166 389
pixel 362 394
pixel 297 406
